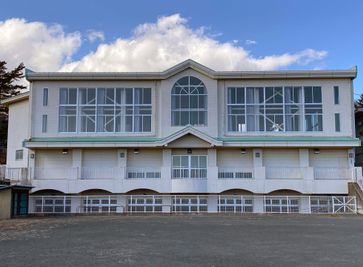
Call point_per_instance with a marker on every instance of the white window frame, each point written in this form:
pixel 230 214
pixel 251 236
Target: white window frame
pixel 188 92
pixel 19 154
pixel 179 172
pixel 122 107
pixel 300 106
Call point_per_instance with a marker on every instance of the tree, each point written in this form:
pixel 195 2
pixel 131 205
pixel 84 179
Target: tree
pixel 359 102
pixel 8 88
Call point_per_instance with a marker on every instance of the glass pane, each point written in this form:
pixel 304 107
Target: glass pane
pixel 72 95
pixel 63 95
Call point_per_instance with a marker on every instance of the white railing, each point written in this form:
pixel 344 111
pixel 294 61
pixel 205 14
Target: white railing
pixel 185 173
pixel 99 173
pixel 283 173
pixel 332 173
pixel 142 173
pixel 54 173
pixel 16 173
pixel 358 177
pixel 313 204
pixel 235 173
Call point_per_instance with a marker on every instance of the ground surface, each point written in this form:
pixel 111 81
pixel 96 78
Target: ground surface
pixel 256 240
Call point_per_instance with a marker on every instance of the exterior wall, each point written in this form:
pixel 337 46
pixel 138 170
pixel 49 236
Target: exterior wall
pixel 296 169
pixel 5 204
pixel 17 133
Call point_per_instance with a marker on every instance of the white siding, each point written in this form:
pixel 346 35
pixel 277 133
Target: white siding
pixel 232 158
pixel 102 158
pixel 281 158
pixel 329 158
pixel 145 158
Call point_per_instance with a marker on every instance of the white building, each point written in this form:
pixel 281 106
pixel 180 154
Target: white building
pixel 186 139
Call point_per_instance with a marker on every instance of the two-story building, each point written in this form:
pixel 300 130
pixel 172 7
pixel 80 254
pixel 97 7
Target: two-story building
pixel 185 139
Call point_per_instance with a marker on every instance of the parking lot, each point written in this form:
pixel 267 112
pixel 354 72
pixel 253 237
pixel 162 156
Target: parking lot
pixel 183 240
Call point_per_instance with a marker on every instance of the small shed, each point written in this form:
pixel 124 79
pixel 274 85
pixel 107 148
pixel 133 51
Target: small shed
pixel 14 200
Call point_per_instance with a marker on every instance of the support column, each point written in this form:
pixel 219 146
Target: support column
pixel 259 171
pixel 76 164
pixel 166 170
pixel 212 171
pixel 121 163
pixel 213 204
pixel 306 171
pixel 31 174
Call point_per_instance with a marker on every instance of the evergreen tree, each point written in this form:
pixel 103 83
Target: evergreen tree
pixel 359 102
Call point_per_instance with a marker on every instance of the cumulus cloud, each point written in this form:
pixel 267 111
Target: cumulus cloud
pixel 158 46
pixel 39 46
pixel 95 35
pixel 151 47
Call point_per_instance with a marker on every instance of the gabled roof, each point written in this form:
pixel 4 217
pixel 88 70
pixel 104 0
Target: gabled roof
pixel 189 64
pixel 191 130
pixel 14 99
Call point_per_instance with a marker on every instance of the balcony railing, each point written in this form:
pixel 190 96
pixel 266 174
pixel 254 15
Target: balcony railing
pixel 143 173
pixel 99 173
pixel 235 173
pixel 54 173
pixel 324 173
pixel 185 173
pixel 17 174
pixel 283 173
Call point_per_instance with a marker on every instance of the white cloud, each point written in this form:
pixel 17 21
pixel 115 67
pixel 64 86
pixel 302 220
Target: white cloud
pixel 40 47
pixel 152 47
pixel 95 35
pixel 158 46
pixel 250 42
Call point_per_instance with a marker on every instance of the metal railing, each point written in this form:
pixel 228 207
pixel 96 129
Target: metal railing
pixel 283 173
pixel 54 173
pixel 185 173
pixel 235 173
pixel 142 173
pixel 193 204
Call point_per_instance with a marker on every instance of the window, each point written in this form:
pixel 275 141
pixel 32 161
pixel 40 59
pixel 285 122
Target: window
pixel 189 166
pixel 67 109
pixel 45 97
pixel 313 109
pixel 144 204
pixel 106 110
pixel 281 205
pixel 19 154
pixel 44 123
pixel 189 102
pixel 52 205
pixel 190 204
pixel 337 122
pixel 336 95
pixel 265 109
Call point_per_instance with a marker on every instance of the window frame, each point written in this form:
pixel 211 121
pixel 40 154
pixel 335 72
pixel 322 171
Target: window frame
pixel 336 95
pixel 179 111
pixel 189 169
pixel 138 111
pixel 337 122
pixel 45 96
pixel 44 123
pixel 262 109
pixel 19 154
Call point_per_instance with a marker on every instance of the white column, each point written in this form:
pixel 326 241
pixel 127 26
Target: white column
pixel 31 156
pixel 121 163
pixel 167 204
pixel 259 171
pixel 76 163
pixel 212 171
pixel 166 170
pixel 306 171
pixel 213 204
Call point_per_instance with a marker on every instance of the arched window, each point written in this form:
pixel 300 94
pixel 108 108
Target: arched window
pixel 189 102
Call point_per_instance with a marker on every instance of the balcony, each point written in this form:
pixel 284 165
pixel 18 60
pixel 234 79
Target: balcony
pixel 14 175
pixel 333 173
pixel 284 173
pixel 54 173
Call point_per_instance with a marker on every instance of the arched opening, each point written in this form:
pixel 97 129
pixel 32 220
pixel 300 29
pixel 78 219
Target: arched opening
pixel 284 192
pixel 47 192
pixel 236 191
pixel 95 191
pixel 189 102
pixel 142 191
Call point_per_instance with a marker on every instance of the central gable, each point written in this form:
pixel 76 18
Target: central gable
pixel 189 140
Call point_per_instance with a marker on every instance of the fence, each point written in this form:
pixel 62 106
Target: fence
pixel 193 204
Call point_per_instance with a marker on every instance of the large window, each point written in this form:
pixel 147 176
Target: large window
pixel 189 102
pixel 105 110
pixel 189 166
pixel 274 109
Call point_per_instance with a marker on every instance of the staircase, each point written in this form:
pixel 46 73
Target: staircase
pixel 356 188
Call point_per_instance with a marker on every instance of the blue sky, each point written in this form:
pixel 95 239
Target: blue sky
pixel 334 29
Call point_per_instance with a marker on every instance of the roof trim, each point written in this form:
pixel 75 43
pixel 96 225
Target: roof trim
pixel 222 75
pixel 15 99
pixel 238 141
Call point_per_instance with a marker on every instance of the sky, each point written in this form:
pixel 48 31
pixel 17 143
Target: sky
pixel 155 35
